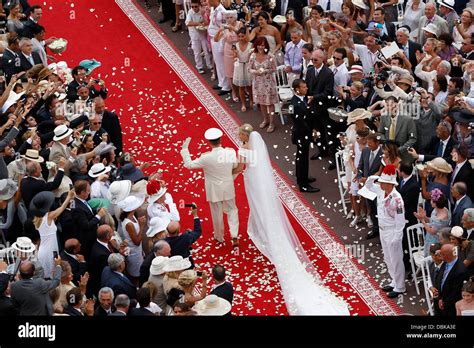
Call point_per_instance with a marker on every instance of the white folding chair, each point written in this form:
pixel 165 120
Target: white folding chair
pixel 425 274
pixel 415 239
pixel 8 255
pixel 341 181
pixel 186 6
pixel 285 93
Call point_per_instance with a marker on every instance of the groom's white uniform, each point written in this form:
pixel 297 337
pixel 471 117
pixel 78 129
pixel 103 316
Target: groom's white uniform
pixel 219 182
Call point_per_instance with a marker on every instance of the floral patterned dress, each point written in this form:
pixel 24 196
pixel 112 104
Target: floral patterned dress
pixel 264 84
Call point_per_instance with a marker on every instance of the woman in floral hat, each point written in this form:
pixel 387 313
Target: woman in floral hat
pixel 439 218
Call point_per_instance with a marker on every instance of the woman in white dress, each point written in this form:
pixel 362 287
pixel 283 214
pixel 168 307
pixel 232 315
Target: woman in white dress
pixel 242 79
pixel 272 233
pixel 464 29
pixel 314 27
pixel 270 32
pixel 44 222
pixel 413 12
pixel 133 228
pixel 465 307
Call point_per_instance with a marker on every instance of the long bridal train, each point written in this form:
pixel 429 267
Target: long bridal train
pixel 272 233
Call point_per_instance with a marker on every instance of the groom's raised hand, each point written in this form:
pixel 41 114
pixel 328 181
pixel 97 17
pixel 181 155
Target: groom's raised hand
pixel 186 143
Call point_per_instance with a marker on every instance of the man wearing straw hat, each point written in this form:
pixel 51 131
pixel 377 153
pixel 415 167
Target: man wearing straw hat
pixel 391 218
pixel 219 182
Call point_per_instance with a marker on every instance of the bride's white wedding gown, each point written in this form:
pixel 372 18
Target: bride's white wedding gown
pixel 272 233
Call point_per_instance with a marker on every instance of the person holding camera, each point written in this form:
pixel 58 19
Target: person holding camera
pixel 31 295
pixel 464 26
pixel 181 244
pixel 187 281
pixel 44 221
pixel 352 96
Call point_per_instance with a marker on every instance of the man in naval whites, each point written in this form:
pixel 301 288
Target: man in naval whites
pixel 219 183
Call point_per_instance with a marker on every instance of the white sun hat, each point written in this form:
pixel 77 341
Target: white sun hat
pixel 212 305
pixel 177 263
pixel 130 203
pixel 158 265
pixel 157 225
pixel 119 190
pixel 98 169
pixel 61 132
pixel 24 245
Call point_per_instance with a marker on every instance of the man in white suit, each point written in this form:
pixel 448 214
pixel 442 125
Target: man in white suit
pixel 219 182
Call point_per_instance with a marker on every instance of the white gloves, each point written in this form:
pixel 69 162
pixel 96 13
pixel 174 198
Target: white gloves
pixel 186 143
pixel 168 199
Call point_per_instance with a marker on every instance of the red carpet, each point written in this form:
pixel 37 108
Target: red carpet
pixel 159 107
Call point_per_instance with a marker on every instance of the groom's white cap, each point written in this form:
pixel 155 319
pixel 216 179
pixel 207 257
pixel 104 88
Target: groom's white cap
pixel 213 134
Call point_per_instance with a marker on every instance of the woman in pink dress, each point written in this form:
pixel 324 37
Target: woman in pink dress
pixel 262 67
pixel 229 32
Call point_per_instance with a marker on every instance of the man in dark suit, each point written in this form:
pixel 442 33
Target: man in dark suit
pixel 106 302
pixel 30 294
pixel 181 244
pixel 36 13
pixel 11 64
pixel 467 221
pixel 449 282
pixel 101 250
pixel 84 217
pixel 301 135
pixel 409 189
pixel 34 183
pixel 71 254
pixel 221 287
pixel 467 49
pixel 80 79
pixel 409 47
pixel 28 58
pixel 462 202
pixel 113 277
pixel 143 299
pixel 122 303
pixel 160 248
pixel 387 33
pixel 110 122
pixel 7 307
pixel 462 170
pixel 440 146
pixel 320 81
pixel 369 164
pixel 74 302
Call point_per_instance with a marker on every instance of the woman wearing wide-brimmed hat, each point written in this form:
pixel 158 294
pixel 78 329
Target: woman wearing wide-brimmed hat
pixel 133 228
pixel 11 208
pixel 44 221
pixel 213 305
pixel 175 266
pixel 356 120
pixel 157 275
pixel 439 178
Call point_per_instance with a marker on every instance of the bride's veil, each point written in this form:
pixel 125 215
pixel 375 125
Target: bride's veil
pixel 271 213
pixel 272 233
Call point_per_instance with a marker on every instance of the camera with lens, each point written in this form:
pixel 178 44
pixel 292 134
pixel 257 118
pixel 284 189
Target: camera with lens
pixel 382 76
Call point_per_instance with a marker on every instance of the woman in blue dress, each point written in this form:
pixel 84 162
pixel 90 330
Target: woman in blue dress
pixel 439 218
